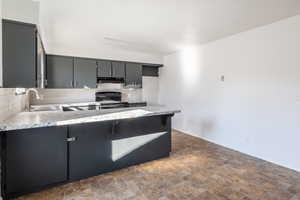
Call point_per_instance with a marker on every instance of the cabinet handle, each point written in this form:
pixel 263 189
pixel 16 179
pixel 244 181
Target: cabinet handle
pixel 71 83
pixel 113 129
pixel 72 139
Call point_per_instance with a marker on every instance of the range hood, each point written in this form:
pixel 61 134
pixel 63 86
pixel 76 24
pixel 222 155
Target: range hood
pixel 110 80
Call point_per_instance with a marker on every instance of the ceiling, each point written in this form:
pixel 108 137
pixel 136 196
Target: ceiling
pixel 155 26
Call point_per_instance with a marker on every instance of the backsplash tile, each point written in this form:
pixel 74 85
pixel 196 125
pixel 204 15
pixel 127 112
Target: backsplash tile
pixel 10 104
pixel 56 96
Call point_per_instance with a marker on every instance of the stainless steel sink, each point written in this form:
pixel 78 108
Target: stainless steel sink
pixel 41 108
pixel 81 108
pixel 64 107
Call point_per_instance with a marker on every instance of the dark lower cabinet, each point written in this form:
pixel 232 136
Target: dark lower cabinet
pixel 90 150
pixel 139 140
pixel 33 159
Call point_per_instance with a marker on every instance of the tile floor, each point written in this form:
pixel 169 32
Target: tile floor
pixel 196 170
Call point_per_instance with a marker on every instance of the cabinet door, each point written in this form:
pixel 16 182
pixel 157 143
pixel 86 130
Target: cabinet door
pixel 90 153
pixel 139 140
pixel 35 158
pixel 118 70
pixel 134 74
pixel 150 71
pixel 19 55
pixel 104 69
pixel 59 72
pixel 85 73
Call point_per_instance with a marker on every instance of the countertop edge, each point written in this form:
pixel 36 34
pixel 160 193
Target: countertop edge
pixel 7 128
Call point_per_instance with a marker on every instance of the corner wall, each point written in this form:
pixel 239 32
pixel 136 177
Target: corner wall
pixel 256 110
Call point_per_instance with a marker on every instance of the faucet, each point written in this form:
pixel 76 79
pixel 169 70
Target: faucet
pixel 27 106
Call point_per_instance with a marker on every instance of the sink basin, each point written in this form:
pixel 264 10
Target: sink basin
pixel 41 108
pixel 64 107
pixel 80 108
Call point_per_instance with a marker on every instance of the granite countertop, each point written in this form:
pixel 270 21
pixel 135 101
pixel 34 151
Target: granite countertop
pixel 27 120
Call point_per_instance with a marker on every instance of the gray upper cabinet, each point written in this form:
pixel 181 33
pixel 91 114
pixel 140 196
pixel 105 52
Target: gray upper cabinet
pixel 19 54
pixel 150 71
pixel 75 72
pixel 85 73
pixel 134 74
pixel 104 69
pixel 59 72
pixel 118 70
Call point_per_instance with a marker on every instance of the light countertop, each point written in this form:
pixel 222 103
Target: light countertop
pixel 27 120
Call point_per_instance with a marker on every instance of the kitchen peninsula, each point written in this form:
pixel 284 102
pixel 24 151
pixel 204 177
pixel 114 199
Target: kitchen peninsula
pixel 49 148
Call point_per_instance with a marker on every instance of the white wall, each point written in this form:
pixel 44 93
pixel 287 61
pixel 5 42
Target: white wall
pixel 105 52
pixel 256 110
pixel 150 89
pixel 21 10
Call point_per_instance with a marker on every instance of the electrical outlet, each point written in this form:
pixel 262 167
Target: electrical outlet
pixel 222 78
pixel 20 91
